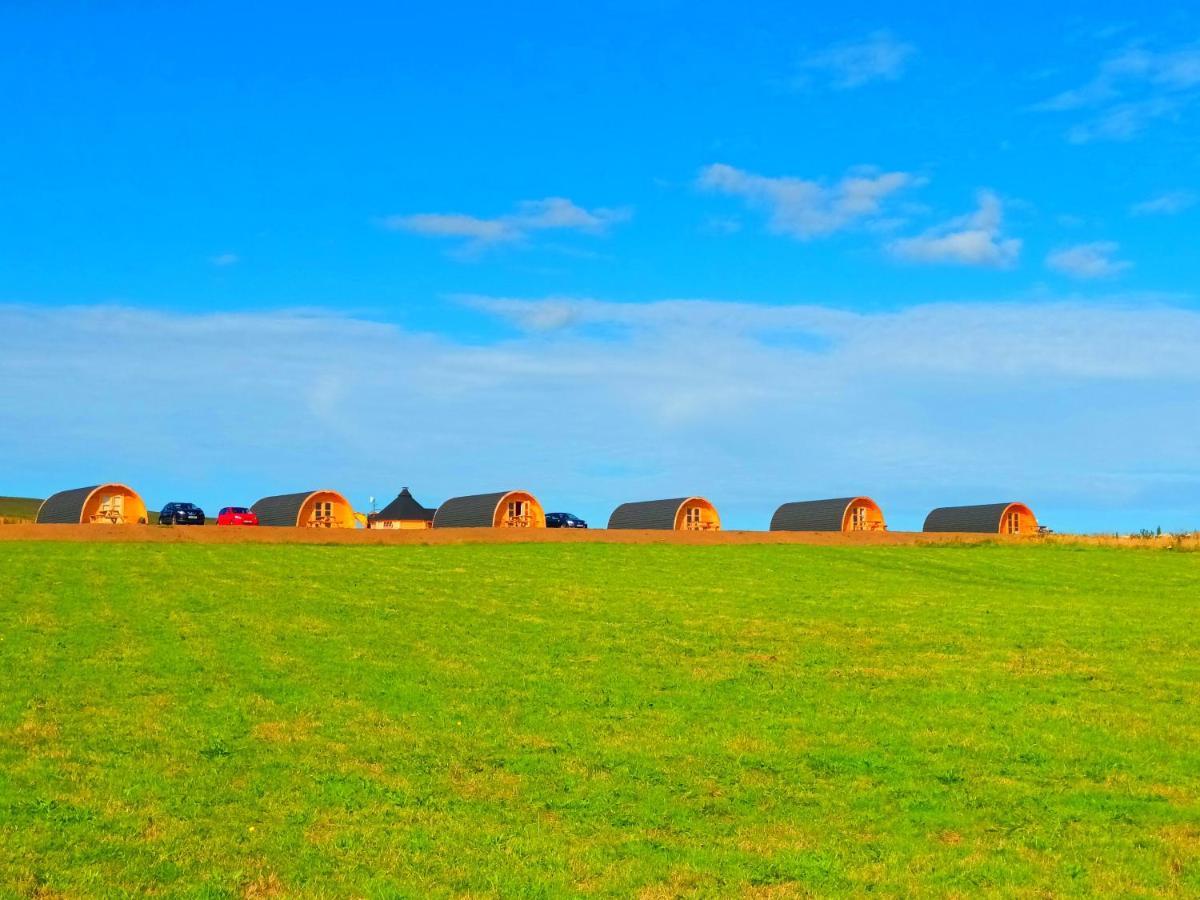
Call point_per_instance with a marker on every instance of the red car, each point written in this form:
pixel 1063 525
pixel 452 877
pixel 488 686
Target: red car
pixel 236 515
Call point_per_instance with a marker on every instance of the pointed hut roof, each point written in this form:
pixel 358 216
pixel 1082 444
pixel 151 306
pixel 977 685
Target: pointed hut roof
pixel 405 508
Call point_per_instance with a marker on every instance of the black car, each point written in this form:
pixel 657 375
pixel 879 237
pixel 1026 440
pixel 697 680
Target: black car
pixel 564 520
pixel 181 514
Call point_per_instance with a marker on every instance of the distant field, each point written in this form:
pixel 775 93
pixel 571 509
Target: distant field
pixel 547 719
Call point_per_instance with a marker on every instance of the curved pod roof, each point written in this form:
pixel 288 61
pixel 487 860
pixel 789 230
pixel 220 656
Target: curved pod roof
pixel 308 509
pixel 986 518
pixel 677 514
pixel 101 504
pixel 502 509
pixel 829 515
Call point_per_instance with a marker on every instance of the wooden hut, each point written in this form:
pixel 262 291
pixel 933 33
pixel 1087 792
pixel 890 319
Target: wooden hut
pixel 309 509
pixel 680 514
pixel 403 512
pixel 100 504
pixel 843 514
pixel 988 518
pixel 504 509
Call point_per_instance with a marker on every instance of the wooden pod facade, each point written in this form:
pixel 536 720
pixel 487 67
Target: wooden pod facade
pixel 100 504
pixel 843 514
pixel 309 509
pixel 679 514
pixel 988 518
pixel 402 513
pixel 503 509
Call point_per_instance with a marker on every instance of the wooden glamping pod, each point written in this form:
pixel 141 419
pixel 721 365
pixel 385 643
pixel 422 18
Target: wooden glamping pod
pixel 311 509
pixel 844 514
pixel 989 518
pixel 505 509
pixel 100 504
pixel 680 514
pixel 403 512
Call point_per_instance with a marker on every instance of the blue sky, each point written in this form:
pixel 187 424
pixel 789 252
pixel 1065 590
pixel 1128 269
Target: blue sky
pixel 760 253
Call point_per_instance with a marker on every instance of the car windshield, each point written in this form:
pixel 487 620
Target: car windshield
pixel 240 510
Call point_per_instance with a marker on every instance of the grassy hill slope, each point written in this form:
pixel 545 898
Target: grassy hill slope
pixel 247 720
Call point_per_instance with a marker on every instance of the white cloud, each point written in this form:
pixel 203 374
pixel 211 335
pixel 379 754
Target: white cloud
pixel 456 225
pixel 591 402
pixel 806 209
pixel 1131 90
pixel 971 240
pixel 223 260
pixel 926 340
pixel 1093 260
pixel 1167 204
pixel 549 214
pixel 851 64
pixel 1122 121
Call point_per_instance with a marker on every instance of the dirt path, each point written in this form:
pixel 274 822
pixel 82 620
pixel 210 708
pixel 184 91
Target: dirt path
pixel 154 534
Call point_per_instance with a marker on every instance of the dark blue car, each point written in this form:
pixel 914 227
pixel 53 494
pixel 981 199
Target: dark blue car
pixel 564 520
pixel 181 514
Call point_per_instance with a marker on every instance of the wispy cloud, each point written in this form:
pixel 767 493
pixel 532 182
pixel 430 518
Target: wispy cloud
pixel 852 64
pixel 1167 204
pixel 671 396
pixel 1131 90
pixel 1123 121
pixel 1087 261
pixel 549 214
pixel 805 209
pixel 975 239
pixel 902 341
pixel 224 260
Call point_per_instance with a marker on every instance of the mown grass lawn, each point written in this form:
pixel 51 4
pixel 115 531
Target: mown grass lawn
pixel 570 719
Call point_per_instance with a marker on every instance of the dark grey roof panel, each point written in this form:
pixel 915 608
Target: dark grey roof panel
pixel 474 511
pixel 282 510
pixel 647 514
pixel 811 515
pixel 65 507
pixel 405 508
pixel 984 518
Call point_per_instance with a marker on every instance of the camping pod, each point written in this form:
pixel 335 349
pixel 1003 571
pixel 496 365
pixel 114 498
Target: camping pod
pixel 403 512
pixel 680 514
pixel 309 509
pixel 989 518
pixel 100 504
pixel 504 509
pixel 843 514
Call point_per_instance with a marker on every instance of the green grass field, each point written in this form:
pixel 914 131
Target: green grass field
pixel 552 720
